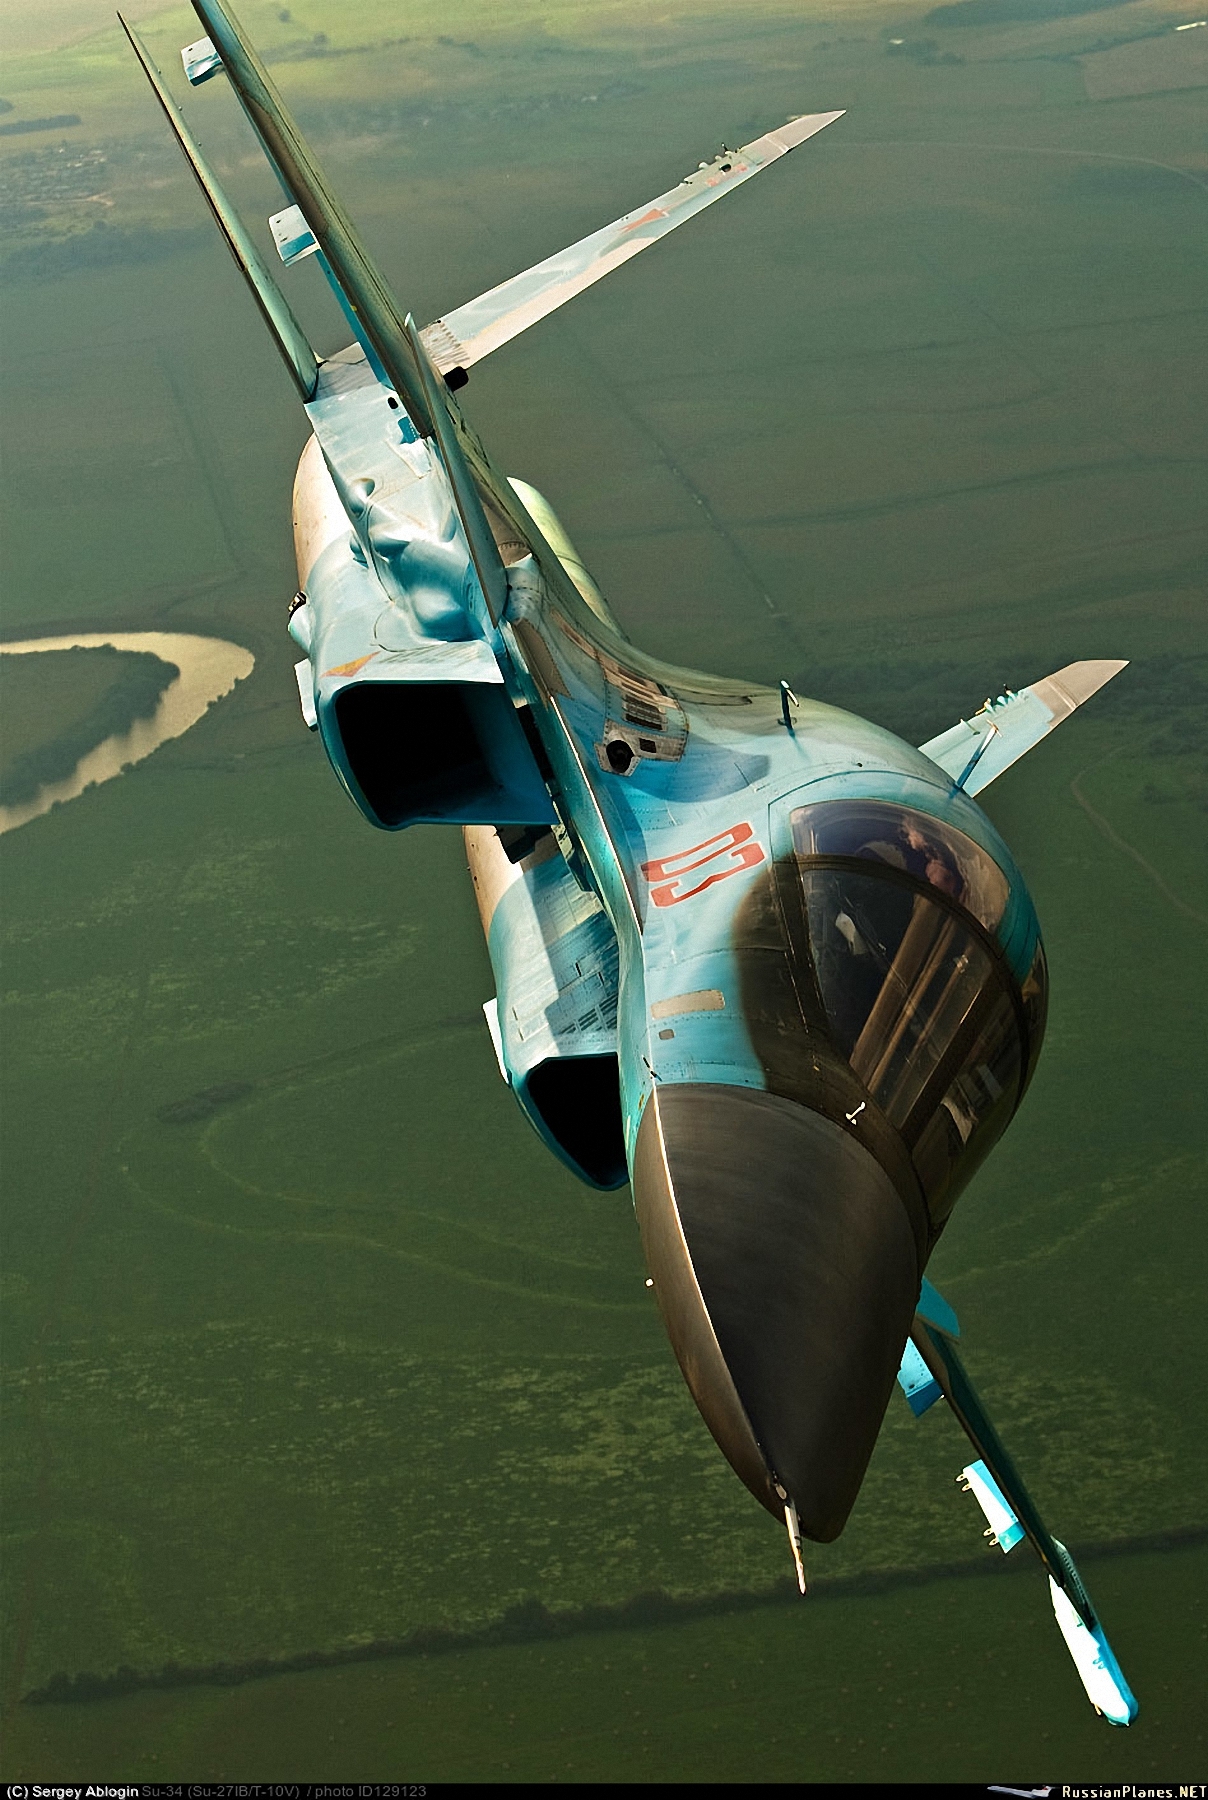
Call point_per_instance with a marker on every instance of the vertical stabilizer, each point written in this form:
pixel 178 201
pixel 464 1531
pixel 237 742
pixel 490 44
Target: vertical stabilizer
pixel 357 279
pixel 290 338
pixel 492 575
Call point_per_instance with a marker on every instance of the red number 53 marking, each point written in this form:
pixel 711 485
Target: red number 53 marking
pixel 672 878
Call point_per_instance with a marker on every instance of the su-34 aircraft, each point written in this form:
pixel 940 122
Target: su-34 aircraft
pixel 757 956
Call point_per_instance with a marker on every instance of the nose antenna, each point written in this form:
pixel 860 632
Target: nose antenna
pixel 794 1531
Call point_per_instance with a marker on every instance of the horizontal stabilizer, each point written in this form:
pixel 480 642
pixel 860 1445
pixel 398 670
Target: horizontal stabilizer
pixel 291 339
pixel 492 575
pixel 465 336
pixel 977 750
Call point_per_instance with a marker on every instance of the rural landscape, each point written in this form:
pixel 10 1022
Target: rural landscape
pixel 341 1439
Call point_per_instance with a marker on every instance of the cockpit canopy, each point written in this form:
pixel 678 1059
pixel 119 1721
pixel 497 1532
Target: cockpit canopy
pixel 900 912
pixel 912 842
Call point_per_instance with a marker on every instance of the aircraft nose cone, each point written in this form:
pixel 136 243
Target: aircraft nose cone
pixel 786 1271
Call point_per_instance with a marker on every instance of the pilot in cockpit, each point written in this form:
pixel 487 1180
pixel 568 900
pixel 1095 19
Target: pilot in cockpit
pixel 917 853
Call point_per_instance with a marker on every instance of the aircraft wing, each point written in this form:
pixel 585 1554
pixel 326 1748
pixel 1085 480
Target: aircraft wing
pixel 932 1366
pixel 464 336
pixel 979 749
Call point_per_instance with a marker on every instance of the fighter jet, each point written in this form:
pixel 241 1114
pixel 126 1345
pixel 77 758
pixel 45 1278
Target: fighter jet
pixel 759 958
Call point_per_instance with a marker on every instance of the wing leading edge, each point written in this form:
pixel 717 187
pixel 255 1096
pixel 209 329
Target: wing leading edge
pixel 470 332
pixel 464 336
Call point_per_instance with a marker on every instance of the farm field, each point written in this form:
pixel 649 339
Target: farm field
pixel 908 1686
pixel 309 1349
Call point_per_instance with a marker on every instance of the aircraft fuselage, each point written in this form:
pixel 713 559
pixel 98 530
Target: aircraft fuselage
pixel 762 957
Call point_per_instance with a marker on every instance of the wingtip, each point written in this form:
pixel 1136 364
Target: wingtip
pixel 797 129
pixel 1078 681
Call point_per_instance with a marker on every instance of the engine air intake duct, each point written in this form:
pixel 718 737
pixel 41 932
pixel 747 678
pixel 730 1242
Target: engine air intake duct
pixel 578 1101
pixel 446 752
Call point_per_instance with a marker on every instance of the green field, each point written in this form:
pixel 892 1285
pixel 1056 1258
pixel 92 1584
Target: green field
pixel 309 1347
pixel 895 1686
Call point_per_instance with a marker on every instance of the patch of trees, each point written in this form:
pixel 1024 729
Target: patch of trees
pixel 139 679
pixel 1011 12
pixel 202 1105
pixel 103 246
pixel 527 1622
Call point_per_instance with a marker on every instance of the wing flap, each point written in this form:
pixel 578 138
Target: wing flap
pixel 464 336
pixel 979 749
